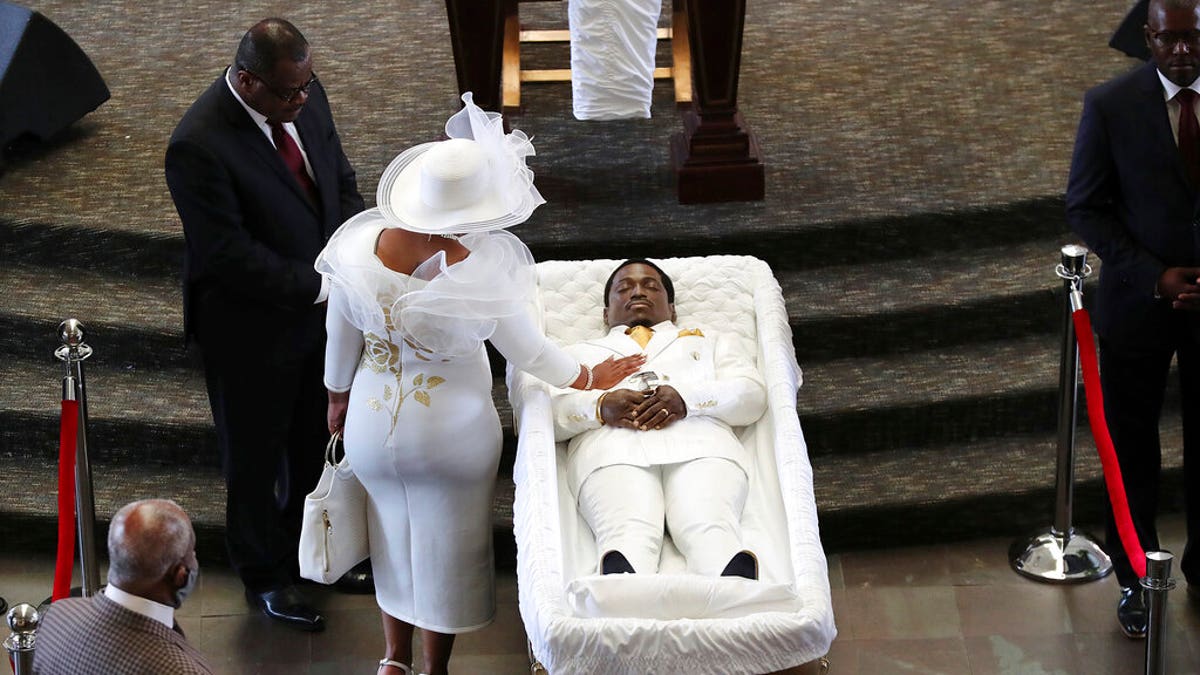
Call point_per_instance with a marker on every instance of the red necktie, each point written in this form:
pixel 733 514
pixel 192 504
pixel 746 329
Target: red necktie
pixel 290 152
pixel 1189 133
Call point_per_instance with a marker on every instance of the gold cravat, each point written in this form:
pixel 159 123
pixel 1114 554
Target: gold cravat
pixel 640 335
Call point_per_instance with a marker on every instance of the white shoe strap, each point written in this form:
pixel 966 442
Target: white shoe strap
pixel 402 666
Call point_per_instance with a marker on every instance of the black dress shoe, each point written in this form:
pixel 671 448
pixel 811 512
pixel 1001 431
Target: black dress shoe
pixel 356 581
pixel 287 605
pixel 614 562
pixel 742 564
pixel 1131 612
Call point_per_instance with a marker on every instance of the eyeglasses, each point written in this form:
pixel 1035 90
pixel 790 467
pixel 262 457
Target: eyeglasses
pixel 1166 38
pixel 286 95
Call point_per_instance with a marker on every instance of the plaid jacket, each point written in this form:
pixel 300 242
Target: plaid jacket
pixel 84 636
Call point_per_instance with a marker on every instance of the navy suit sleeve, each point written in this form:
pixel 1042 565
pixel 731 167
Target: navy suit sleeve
pixel 351 201
pixel 219 245
pixel 1094 202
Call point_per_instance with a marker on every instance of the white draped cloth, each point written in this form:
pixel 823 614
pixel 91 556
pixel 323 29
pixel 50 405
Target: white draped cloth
pixel 612 57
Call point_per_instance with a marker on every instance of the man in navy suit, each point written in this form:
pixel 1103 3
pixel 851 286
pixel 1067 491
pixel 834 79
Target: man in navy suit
pixel 1134 197
pixel 260 181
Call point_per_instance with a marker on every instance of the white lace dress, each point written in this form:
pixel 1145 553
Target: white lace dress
pixel 421 432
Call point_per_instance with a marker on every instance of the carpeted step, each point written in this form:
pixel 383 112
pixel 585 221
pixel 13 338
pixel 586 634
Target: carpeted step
pixel 935 397
pixel 927 302
pixel 132 322
pixel 137 249
pixel 132 416
pixel 901 497
pixel 913 304
pixel 994 486
pixel 159 417
pixel 28 514
pixel 156 248
pixel 846 406
pixel 853 405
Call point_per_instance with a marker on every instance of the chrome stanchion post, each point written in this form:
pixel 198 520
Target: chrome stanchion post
pixel 1061 554
pixel 1158 583
pixel 72 353
pixel 23 620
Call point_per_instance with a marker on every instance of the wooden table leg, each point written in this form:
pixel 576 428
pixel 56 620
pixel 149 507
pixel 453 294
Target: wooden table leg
pixel 716 158
pixel 477 40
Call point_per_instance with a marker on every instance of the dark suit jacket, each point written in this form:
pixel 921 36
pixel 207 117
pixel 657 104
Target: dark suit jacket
pixel 251 233
pixel 96 635
pixel 1129 198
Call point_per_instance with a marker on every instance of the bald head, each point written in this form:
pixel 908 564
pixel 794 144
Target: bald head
pixel 269 42
pixel 146 540
pixel 273 71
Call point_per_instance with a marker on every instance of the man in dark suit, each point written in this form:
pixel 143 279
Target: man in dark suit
pixel 1134 197
pixel 130 626
pixel 260 181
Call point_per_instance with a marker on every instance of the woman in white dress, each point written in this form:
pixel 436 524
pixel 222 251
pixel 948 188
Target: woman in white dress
pixel 416 285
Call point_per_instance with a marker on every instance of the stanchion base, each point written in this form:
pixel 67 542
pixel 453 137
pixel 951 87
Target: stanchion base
pixel 1051 557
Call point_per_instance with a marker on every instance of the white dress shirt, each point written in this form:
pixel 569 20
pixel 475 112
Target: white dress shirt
pixel 144 606
pixel 1173 107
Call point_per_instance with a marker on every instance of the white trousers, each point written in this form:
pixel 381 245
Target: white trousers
pixel 700 502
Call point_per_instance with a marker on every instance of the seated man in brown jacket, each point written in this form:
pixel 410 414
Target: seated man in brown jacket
pixel 130 626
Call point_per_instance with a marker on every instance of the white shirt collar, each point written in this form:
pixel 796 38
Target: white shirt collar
pixel 144 606
pixel 1170 88
pixel 259 118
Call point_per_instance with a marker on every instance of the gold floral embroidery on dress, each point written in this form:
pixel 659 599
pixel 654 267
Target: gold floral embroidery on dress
pixel 419 351
pixel 381 355
pixel 386 306
pixel 384 356
pixel 423 385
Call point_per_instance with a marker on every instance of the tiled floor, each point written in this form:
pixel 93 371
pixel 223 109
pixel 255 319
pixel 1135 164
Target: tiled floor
pixel 956 609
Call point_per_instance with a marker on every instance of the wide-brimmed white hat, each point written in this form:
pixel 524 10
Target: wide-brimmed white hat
pixel 473 182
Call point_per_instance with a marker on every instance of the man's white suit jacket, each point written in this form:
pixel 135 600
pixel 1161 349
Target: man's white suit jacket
pixel 718 383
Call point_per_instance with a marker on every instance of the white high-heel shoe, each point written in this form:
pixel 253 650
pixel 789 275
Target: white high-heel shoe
pixel 402 666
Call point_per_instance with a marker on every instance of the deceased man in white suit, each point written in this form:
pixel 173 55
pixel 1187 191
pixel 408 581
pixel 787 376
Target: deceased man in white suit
pixel 662 452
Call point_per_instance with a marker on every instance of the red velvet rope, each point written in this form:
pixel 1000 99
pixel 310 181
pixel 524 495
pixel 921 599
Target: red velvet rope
pixel 67 437
pixel 1104 444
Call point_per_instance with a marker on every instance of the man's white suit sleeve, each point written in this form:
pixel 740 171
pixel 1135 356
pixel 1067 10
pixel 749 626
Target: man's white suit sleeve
pixel 736 396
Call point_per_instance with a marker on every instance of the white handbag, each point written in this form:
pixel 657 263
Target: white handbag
pixel 333 535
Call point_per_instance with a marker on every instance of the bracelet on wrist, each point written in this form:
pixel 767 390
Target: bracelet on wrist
pixel 590 378
pixel 599 403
